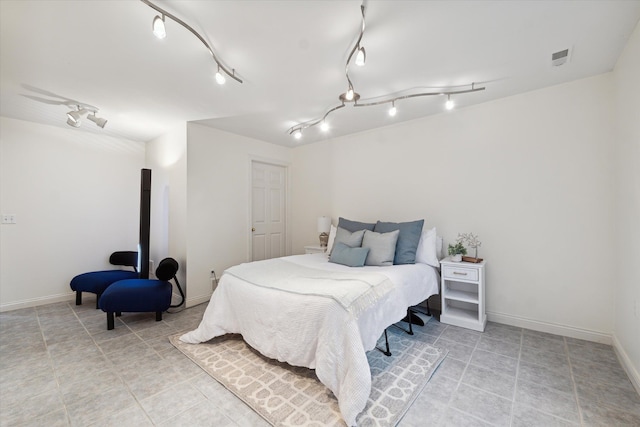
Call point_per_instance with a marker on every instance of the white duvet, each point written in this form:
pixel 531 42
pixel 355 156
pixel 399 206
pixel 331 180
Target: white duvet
pixel 315 331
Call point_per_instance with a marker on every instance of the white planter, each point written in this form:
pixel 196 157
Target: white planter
pixel 456 258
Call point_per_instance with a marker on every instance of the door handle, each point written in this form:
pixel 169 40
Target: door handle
pixel 253 229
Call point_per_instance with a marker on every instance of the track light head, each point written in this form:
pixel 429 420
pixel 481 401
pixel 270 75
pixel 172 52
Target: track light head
pixel 361 56
pixel 297 134
pixel 74 116
pixel 393 110
pixel 97 120
pixel 449 104
pixel 158 27
pixel 73 123
pixel 220 78
pixel 324 126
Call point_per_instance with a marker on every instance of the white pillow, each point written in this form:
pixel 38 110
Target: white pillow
pixel 427 252
pixel 332 237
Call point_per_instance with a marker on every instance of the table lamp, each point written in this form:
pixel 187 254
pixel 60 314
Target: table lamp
pixel 324 226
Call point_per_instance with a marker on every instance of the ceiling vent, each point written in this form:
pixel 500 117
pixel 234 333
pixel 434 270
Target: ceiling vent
pixel 560 57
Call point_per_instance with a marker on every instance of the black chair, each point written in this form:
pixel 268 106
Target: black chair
pixel 142 295
pixel 97 281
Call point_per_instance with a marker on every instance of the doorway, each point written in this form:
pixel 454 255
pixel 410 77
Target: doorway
pixel 268 210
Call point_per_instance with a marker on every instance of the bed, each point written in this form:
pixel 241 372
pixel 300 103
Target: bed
pixel 310 328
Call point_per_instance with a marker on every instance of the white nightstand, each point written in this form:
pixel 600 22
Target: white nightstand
pixel 463 294
pixel 314 250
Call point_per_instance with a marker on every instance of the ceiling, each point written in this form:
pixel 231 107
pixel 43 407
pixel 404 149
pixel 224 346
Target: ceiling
pixel 291 56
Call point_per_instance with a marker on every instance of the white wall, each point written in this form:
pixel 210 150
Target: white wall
pixel 218 227
pixel 627 210
pixel 166 156
pixel 76 198
pixel 530 174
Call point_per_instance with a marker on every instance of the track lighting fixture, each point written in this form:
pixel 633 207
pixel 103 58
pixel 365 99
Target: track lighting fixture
pixel 160 32
pixel 324 126
pixel 393 110
pixel 351 96
pixel 297 134
pixel 158 27
pixel 449 104
pixel 74 116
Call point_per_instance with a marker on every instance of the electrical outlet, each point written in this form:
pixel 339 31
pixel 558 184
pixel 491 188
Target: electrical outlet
pixel 8 218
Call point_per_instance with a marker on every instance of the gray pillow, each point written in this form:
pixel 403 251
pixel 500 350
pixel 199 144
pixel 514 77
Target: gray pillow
pixel 349 225
pixel 382 247
pixel 407 240
pixel 352 257
pixel 350 239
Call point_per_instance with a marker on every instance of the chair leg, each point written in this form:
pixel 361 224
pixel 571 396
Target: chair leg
pixel 118 313
pixel 428 309
pixel 110 321
pixel 78 298
pixel 98 301
pixel 158 316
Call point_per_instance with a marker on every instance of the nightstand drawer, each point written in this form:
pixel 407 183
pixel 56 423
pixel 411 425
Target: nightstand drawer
pixel 460 273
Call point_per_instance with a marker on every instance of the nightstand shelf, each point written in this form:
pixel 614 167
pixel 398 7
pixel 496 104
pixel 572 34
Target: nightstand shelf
pixel 462 292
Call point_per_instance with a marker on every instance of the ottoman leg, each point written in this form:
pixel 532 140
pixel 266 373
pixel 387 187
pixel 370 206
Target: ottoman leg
pixel 110 321
pixel 78 298
pixel 158 316
pixel 98 301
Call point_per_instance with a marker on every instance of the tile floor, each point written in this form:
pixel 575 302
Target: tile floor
pixel 59 366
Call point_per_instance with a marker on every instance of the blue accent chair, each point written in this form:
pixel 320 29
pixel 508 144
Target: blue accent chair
pixel 142 295
pixel 97 281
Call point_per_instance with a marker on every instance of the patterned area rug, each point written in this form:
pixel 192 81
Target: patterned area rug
pixel 285 395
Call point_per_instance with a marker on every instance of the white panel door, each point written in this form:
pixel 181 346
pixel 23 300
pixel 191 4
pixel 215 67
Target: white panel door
pixel 268 201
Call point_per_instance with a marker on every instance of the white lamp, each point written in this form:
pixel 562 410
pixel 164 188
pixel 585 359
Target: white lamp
pixel 324 226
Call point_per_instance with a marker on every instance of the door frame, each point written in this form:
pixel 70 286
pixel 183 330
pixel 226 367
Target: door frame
pixel 287 206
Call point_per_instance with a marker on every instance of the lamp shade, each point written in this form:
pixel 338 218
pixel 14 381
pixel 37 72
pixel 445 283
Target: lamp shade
pixel 324 224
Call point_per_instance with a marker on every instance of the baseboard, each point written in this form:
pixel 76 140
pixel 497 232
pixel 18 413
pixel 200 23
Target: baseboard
pixel 34 302
pixel 625 361
pixel 191 302
pixel 552 328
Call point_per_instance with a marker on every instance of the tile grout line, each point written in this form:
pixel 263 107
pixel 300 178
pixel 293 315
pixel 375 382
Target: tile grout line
pixel 515 384
pixel 573 382
pixel 53 369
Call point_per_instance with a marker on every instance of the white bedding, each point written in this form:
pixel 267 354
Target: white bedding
pixel 315 331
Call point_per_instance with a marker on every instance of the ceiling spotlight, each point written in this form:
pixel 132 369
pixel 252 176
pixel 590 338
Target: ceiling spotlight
pixel 158 27
pixel 297 134
pixel 361 57
pixel 220 79
pixel 349 95
pixel 393 110
pixel 73 123
pixel 324 126
pixel 449 104
pixel 97 120
pixel 73 117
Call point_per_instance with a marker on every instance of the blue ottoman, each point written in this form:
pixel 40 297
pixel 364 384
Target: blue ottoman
pixel 141 295
pixel 97 281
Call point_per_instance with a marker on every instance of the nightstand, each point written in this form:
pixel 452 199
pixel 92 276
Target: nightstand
pixel 314 250
pixel 462 292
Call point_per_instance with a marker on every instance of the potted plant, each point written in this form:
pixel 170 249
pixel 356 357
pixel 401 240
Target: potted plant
pixel 456 251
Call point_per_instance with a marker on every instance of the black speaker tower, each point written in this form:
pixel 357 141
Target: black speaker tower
pixel 145 221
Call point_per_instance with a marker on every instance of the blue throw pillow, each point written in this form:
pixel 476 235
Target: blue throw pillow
pixel 352 257
pixel 352 226
pixel 408 239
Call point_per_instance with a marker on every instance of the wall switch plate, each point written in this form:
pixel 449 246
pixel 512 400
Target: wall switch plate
pixel 8 218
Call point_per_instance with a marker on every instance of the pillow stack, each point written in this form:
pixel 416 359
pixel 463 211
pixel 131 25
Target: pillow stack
pixel 356 243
